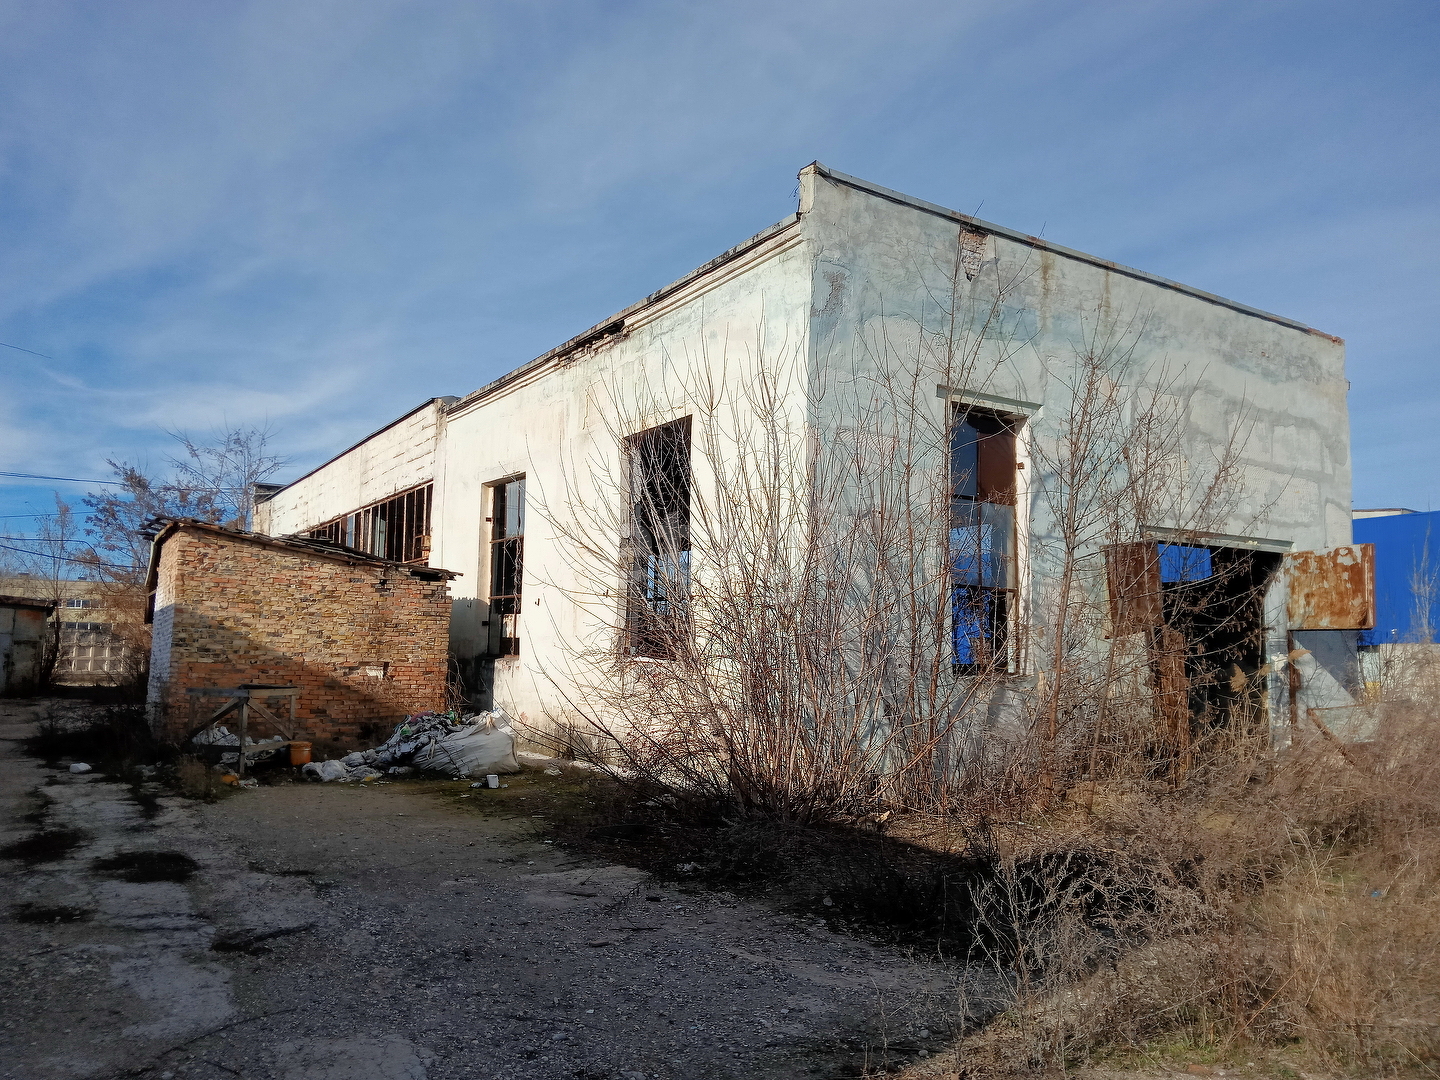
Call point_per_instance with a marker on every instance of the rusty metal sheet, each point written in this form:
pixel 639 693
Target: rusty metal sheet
pixel 1132 575
pixel 1332 590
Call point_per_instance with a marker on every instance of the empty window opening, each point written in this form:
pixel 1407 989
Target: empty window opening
pixel 507 563
pixel 658 546
pixel 396 528
pixel 982 537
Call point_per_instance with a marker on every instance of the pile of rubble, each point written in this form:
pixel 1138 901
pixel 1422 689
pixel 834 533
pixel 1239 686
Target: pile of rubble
pixel 460 746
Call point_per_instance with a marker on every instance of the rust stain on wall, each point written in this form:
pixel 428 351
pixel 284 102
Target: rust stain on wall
pixel 1332 590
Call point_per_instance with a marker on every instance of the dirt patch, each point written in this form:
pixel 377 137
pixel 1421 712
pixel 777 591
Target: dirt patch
pixel 143 866
pixel 253 941
pixel 48 845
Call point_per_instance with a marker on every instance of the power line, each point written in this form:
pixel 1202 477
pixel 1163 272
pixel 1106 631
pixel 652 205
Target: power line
pixel 64 558
pixel 68 479
pixel 43 540
pixel 32 352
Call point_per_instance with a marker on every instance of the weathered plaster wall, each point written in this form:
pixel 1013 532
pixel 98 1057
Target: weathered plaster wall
pixel 393 459
pixel 561 426
pixel 905 289
pixel 886 282
pixel 559 421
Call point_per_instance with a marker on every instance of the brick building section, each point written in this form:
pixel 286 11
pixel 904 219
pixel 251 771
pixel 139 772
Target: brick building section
pixel 364 638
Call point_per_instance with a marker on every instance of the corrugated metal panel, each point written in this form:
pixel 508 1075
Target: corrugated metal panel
pixel 1332 590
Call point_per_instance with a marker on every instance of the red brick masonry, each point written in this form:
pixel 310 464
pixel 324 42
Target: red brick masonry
pixel 365 639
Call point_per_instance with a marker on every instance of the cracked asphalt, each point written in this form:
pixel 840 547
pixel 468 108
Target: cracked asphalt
pixel 399 932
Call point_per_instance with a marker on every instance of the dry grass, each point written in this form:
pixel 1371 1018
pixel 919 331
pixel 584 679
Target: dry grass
pixel 769 672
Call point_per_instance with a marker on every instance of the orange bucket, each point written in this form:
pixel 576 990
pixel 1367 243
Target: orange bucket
pixel 299 753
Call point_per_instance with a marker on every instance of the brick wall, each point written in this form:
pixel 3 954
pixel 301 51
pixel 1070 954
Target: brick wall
pixel 365 642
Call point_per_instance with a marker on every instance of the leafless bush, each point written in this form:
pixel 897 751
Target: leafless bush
pixel 772 638
pixel 772 614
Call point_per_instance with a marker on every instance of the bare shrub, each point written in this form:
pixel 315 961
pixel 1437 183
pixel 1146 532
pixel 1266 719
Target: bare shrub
pixel 1088 806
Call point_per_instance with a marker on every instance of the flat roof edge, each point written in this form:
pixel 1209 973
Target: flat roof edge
pixel 599 330
pixel 278 488
pixel 1070 253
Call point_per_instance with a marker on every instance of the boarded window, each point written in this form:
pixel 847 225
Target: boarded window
pixel 1132 576
pixel 395 528
pixel 1332 590
pixel 507 564
pixel 982 536
pixel 658 547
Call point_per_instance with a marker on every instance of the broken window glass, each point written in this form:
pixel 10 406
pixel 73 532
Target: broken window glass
pixel 507 556
pixel 394 528
pixel 658 461
pixel 982 536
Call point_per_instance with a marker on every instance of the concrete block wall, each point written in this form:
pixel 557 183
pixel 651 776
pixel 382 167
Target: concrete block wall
pixel 365 642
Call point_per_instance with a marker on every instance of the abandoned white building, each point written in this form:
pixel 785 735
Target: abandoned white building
pixel 830 303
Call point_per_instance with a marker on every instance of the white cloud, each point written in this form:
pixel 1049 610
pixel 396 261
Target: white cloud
pixel 270 209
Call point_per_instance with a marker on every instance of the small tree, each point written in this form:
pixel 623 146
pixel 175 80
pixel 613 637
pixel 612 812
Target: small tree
pixel 211 482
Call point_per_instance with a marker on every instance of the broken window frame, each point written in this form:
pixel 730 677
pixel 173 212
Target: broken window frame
pixel 655 551
pixel 396 527
pixel 983 537
pixel 1166 589
pixel 507 563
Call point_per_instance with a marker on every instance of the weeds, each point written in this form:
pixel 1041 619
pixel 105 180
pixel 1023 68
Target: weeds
pixel 109 734
pixel 1083 788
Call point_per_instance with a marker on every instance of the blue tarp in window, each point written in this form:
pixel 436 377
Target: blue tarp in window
pixel 980 543
pixel 971 618
pixel 1184 562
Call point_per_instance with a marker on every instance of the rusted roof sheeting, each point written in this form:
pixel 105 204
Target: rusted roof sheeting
pixel 1332 590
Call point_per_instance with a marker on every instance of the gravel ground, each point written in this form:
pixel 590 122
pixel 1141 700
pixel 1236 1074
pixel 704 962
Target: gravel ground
pixel 402 932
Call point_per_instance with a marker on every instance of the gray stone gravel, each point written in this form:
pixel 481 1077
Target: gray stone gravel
pixel 383 933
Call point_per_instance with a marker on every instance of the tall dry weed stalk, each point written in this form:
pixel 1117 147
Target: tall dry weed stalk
pixel 1142 863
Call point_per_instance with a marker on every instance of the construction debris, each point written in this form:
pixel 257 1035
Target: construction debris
pixel 460 745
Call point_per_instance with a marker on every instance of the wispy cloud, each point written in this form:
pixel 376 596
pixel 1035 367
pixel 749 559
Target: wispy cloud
pixel 322 213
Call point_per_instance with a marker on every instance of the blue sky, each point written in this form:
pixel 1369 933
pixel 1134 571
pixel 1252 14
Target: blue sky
pixel 317 214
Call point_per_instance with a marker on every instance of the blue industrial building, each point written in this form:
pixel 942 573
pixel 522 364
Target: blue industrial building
pixel 1407 572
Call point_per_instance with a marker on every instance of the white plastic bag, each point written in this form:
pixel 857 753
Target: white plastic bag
pixel 477 749
pixel 326 771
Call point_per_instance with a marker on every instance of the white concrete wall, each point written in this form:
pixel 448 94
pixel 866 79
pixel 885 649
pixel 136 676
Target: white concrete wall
pixel 560 425
pixel 886 286
pixel 833 298
pixel 883 277
pixel 393 459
